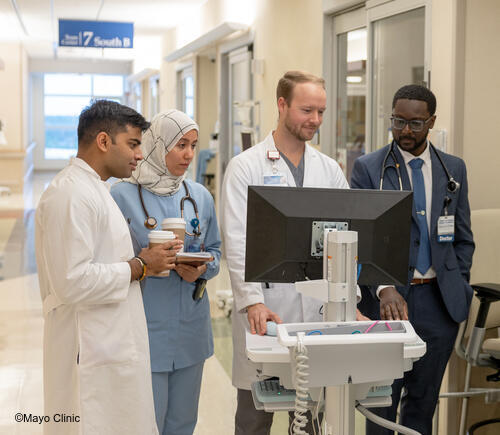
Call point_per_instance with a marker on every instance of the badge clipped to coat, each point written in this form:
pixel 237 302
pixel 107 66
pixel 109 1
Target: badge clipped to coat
pixel 446 228
pixel 275 178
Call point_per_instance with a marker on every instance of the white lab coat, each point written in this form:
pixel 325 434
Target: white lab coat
pixel 96 352
pixel 249 168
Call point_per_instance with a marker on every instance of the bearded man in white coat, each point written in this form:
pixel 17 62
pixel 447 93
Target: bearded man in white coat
pixel 97 378
pixel 282 158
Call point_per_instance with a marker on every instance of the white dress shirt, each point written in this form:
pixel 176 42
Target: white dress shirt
pixel 427 174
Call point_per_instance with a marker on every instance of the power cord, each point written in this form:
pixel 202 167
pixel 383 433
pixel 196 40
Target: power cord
pixel 316 412
pixel 385 423
pixel 301 390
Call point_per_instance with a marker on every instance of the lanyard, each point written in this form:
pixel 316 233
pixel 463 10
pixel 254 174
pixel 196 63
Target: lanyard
pixel 274 156
pixel 195 223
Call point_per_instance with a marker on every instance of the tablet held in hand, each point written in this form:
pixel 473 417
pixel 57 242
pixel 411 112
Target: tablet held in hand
pixel 194 258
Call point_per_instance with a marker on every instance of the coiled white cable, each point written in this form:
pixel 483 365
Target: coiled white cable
pixel 301 390
pixel 385 423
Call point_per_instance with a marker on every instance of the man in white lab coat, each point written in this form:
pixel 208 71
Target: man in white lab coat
pixel 97 378
pixel 282 158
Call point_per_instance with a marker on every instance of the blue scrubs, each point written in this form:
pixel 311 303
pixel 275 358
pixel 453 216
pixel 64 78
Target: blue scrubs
pixel 180 332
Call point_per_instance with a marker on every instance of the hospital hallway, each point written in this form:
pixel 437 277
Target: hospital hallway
pixel 21 330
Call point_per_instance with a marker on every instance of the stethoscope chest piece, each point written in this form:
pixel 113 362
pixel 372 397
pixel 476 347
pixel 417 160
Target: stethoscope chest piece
pixel 452 185
pixel 195 222
pixel 150 223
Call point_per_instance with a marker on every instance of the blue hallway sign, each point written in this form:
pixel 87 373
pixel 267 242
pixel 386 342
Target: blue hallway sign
pixel 96 34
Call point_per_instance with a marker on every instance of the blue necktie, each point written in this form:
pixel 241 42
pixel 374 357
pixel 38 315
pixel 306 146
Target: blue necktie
pixel 424 250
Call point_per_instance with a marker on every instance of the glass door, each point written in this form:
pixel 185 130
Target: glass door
pixel 398 58
pixel 350 54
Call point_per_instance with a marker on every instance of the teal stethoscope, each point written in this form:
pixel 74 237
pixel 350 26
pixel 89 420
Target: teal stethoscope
pixel 451 186
pixel 151 222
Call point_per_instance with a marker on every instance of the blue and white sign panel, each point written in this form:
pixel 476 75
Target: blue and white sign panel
pixel 100 34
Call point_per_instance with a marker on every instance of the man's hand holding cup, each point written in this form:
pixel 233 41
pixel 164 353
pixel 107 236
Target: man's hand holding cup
pixel 160 257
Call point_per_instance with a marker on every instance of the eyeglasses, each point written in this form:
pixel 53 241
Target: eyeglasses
pixel 415 125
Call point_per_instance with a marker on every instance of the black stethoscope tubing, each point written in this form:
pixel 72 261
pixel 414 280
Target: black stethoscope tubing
pixel 451 186
pixel 151 221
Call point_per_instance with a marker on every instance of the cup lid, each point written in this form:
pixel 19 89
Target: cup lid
pixel 173 221
pixel 165 235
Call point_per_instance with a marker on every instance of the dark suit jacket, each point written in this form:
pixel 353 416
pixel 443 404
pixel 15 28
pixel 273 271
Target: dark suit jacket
pixel 452 260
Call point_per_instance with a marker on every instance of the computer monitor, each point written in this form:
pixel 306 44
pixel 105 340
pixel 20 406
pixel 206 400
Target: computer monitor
pixel 285 232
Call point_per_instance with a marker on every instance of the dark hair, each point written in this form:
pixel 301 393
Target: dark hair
pixel 109 117
pixel 292 78
pixel 416 92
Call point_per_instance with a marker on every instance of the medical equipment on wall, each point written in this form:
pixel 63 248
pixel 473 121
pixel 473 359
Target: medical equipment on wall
pixel 151 222
pixel 451 186
pixel 248 114
pixel 3 139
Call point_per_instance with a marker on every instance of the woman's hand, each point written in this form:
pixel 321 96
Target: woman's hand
pixel 190 273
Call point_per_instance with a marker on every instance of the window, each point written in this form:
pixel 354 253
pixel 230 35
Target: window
pixel 65 96
pixel 185 99
pixel 189 96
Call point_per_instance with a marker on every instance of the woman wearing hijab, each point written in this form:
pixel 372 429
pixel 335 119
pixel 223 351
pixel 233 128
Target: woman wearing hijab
pixel 180 333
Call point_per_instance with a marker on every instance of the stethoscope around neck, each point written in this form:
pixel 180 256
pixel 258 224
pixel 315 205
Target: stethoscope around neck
pixel 151 222
pixel 451 186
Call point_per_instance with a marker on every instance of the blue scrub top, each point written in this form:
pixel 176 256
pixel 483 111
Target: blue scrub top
pixel 180 331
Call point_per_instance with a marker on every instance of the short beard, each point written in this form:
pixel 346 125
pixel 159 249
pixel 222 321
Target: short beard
pixel 295 131
pixel 416 146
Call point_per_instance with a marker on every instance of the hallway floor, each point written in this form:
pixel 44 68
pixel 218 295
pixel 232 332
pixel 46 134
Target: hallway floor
pixel 21 329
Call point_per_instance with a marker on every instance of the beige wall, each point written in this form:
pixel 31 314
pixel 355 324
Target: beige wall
pixel 167 72
pixel 442 67
pixel 482 96
pixel 13 91
pixel 288 35
pixel 14 114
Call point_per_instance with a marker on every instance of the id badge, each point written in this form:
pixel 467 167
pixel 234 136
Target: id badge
pixel 446 229
pixel 277 179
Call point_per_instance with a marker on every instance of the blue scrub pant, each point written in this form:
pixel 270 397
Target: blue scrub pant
pixel 176 396
pixel 431 321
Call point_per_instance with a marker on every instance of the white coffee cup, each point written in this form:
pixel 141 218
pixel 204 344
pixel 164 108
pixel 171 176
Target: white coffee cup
pixel 177 226
pixel 157 238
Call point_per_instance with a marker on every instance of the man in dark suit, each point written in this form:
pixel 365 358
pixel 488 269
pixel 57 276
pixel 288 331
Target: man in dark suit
pixel 438 296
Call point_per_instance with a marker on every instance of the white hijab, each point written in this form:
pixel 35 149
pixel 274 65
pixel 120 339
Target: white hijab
pixel 160 138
